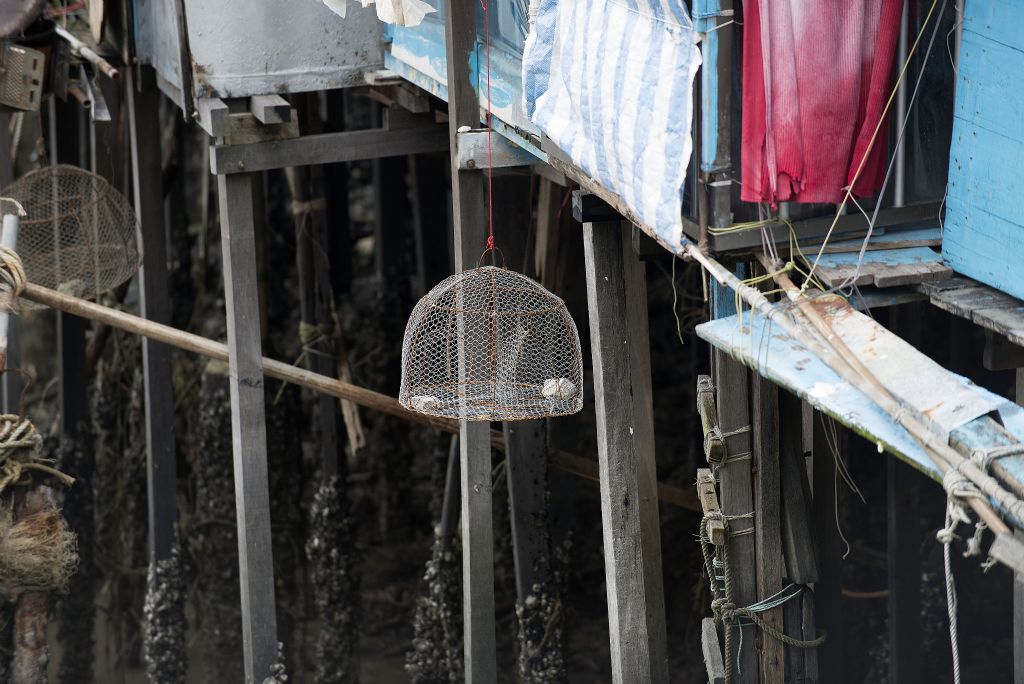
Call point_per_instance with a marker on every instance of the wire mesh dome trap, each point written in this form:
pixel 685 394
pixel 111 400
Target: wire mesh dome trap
pixel 79 235
pixel 491 344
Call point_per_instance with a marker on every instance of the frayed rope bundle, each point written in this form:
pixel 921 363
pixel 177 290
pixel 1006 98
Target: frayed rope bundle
pixel 37 553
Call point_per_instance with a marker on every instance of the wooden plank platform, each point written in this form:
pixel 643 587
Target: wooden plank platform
pixel 986 306
pixel 883 267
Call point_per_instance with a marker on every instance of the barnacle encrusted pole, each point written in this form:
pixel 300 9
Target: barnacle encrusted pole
pixel 212 535
pixel 164 645
pixel 436 654
pixel 330 544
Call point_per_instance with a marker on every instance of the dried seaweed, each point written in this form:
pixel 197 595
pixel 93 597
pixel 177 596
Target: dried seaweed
pixel 38 552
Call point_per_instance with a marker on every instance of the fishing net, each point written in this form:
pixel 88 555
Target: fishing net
pixel 79 236
pixel 491 344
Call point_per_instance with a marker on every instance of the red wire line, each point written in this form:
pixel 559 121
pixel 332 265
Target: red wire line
pixel 490 167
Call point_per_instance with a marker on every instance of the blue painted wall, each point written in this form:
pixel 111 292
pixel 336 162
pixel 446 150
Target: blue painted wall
pixel 984 226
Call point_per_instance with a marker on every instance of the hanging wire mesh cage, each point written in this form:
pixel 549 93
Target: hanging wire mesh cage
pixel 80 235
pixel 491 344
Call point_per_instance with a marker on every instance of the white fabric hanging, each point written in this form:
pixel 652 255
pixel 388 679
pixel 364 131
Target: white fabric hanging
pixel 610 82
pixel 398 12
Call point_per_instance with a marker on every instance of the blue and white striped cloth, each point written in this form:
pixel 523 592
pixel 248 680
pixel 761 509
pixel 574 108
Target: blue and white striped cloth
pixel 610 82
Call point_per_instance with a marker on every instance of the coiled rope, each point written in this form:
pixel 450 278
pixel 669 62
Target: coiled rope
pixel 725 611
pixel 12 279
pixel 19 453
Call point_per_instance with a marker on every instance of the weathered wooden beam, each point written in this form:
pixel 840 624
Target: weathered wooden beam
pixel 248 425
pixel 213 116
pixel 798 539
pixel 617 299
pixel 734 475
pixel 798 543
pixel 470 223
pixel 712 651
pixel 270 109
pixel 768 519
pixel 480 149
pixel 327 148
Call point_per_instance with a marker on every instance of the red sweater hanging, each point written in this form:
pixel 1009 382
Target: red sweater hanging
pixel 816 76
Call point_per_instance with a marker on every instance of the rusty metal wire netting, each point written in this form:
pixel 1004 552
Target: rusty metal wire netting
pixel 491 344
pixel 79 236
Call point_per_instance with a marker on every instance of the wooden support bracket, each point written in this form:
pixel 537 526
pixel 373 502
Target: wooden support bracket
pixel 327 148
pixel 589 208
pixel 270 109
pixel 503 153
pixel 714 443
pixel 709 503
pixel 1000 353
pixel 213 116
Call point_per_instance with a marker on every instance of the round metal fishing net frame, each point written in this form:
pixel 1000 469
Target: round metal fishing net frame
pixel 491 344
pixel 79 235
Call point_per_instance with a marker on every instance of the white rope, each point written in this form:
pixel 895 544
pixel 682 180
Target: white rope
pixel 945 537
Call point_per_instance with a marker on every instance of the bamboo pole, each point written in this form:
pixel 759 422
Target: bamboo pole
pixel 314 381
pixel 944 456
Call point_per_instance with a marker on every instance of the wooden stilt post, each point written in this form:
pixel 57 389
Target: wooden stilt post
pixel 617 299
pixel 904 541
pixel 69 137
pixel 316 290
pixel 904 566
pixel 248 425
pixel 737 498
pixel 1018 585
pixel 161 475
pixel 430 217
pixel 828 597
pixel 10 383
pixel 469 217
pixel 767 519
pixel 798 543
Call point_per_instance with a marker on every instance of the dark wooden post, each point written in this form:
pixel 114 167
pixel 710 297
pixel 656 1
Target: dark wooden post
pixel 737 498
pixel 147 174
pixel 316 287
pixel 469 217
pixel 904 568
pixel 617 300
pixel 798 545
pixel 904 540
pixel 430 215
pixel 767 519
pixel 248 424
pixel 1018 586
pixel 828 597
pixel 11 382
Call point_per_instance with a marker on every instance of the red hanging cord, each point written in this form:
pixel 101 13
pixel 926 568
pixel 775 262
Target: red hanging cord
pixel 485 4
